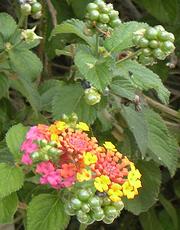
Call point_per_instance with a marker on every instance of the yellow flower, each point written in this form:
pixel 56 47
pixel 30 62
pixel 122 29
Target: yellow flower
pixel 82 126
pixel 61 125
pixel 84 175
pixel 55 137
pixel 89 158
pixel 133 178
pixel 101 183
pixel 109 146
pixel 115 192
pixel 129 190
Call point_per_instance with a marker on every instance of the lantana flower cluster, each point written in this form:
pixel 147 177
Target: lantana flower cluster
pixel 63 154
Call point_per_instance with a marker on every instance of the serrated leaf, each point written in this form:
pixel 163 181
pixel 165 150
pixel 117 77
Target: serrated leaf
pixel 7 25
pixel 95 71
pixel 5 155
pixel 73 26
pixel 46 212
pixel 138 126
pixel 170 209
pixel 12 179
pixel 8 207
pixel 151 180
pixel 145 79
pixel 14 138
pixel 121 37
pixel 162 146
pixel 69 99
pixel 4 85
pixel 123 87
pixel 28 90
pixel 25 63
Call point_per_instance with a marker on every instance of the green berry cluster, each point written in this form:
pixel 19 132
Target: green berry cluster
pixel 155 43
pixel 33 8
pixel 89 206
pixel 91 96
pixel 102 15
pixel 46 151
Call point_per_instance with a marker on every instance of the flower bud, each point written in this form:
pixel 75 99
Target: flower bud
pixel 29 35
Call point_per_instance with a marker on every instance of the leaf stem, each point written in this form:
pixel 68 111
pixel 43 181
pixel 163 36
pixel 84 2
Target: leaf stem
pixel 21 20
pixel 137 53
pixel 82 226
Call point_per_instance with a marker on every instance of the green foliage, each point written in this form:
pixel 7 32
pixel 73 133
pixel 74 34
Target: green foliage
pixel 4 85
pixel 8 207
pixel 46 212
pixel 13 175
pixel 5 30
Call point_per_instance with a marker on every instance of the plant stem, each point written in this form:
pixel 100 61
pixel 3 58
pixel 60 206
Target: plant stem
pixel 21 20
pixel 82 226
pixel 129 56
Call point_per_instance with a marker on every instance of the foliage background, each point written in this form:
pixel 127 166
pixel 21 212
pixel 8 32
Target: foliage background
pixel 30 106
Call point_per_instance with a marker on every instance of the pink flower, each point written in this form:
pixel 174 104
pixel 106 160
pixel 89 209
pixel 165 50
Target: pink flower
pixel 29 146
pixel 53 178
pixel 68 182
pixel 45 167
pixel 35 134
pixel 26 159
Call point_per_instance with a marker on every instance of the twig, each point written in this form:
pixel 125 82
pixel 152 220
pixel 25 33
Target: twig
pixel 53 12
pixel 22 206
pixel 129 56
pixel 162 108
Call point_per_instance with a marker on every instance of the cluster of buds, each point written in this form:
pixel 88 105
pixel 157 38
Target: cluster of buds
pixel 31 7
pixel 64 156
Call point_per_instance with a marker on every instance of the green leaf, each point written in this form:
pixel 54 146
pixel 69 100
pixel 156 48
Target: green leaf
pixel 7 26
pixel 46 212
pixel 97 72
pixel 14 139
pixel 69 99
pixel 73 26
pixel 123 87
pixel 8 207
pixel 28 90
pixel 138 126
pixel 162 146
pixel 79 4
pixel 4 85
pixel 121 37
pixel 176 185
pixel 145 79
pixel 151 180
pixel 5 155
pixel 170 209
pixel 25 63
pixel 12 179
pixel 149 220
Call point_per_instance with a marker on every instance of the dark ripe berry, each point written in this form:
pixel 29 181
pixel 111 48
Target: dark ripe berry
pixel 82 217
pixel 153 44
pixel 98 214
pixel 108 220
pixel 159 54
pixel 26 9
pixel 76 203
pixel 92 6
pixel 85 208
pixel 113 14
pixel 146 52
pixel 143 42
pixel 104 18
pixel 83 195
pixel 115 23
pixel 168 46
pixel 151 33
pixel 110 212
pixel 118 205
pixel 36 7
pixel 94 202
pixel 69 210
pixel 94 15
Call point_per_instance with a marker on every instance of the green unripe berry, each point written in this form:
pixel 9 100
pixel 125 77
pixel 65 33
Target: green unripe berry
pixel 159 28
pixel 26 9
pixel 110 212
pixel 145 60
pixel 101 5
pixel 53 143
pixel 36 7
pixel 76 203
pixel 106 201
pixel 105 10
pixel 94 202
pixel 118 205
pixel 92 6
pixel 94 15
pixel 110 6
pixel 108 220
pixel 35 155
pixel 91 96
pixel 90 221
pixel 143 42
pixel 102 26
pixel 104 18
pixel 171 37
pixel 69 210
pixel 83 195
pixel 113 14
pixel 37 15
pixel 98 214
pixel 136 39
pixel 82 217
pixel 153 44
pixel 168 46
pixel 151 33
pixel 85 208
pixel 115 23
pixel 159 54
pixel 146 52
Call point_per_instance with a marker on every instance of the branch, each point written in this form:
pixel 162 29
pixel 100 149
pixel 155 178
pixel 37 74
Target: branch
pixel 53 12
